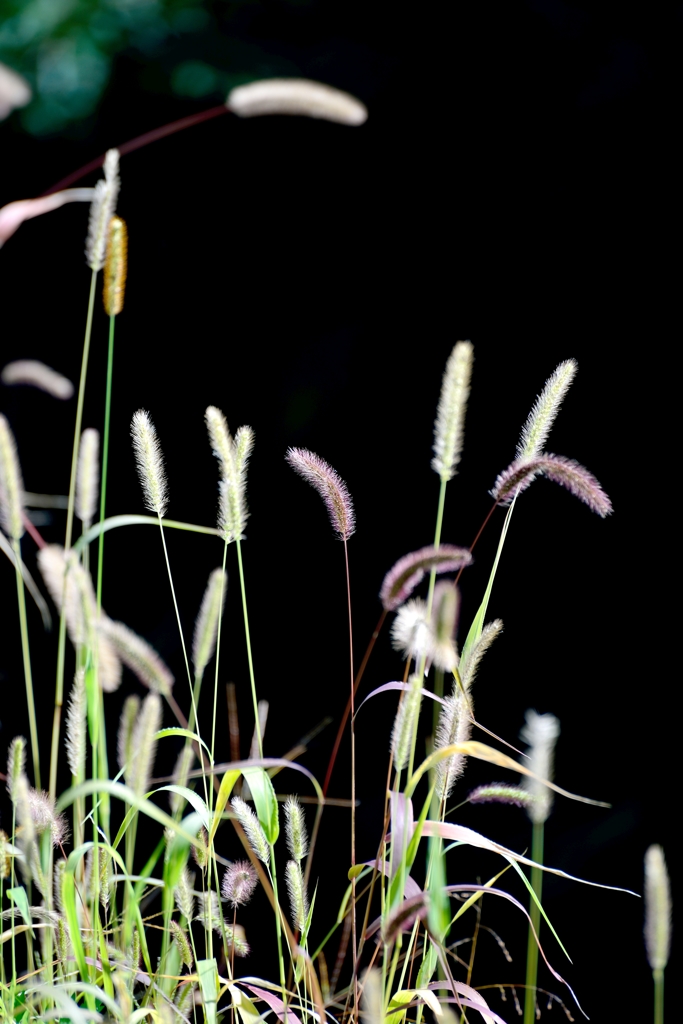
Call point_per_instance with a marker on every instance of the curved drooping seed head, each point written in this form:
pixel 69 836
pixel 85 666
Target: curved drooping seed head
pixel 657 909
pixel 115 267
pixel 87 476
pixel 139 656
pixel 501 793
pixel 411 631
pixel 454 726
pixel 296 96
pixel 252 827
pixel 545 409
pixel 150 463
pixel 569 474
pixel 239 882
pixel 329 485
pixel 404 576
pixel 37 375
pixel 206 626
pixel 102 210
pixel 295 825
pixel 450 417
pixel 540 732
pixel 11 484
pixel 76 742
pixel 298 897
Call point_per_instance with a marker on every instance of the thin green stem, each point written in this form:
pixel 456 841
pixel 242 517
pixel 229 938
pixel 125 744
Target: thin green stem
pixel 26 652
pixel 658 977
pixel 61 649
pixel 105 458
pixel 278 924
pixel 535 915
pixel 249 655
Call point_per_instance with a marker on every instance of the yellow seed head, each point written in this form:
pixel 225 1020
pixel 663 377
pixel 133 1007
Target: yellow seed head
pixel 116 266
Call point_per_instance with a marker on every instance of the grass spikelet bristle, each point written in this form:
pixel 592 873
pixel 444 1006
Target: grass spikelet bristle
pixel 252 828
pixel 144 744
pixel 184 894
pixel 298 96
pixel 124 743
pixel 11 484
pixel 233 458
pixel 540 732
pixel 239 882
pixel 657 909
pixel 206 626
pixel 209 911
pixel 16 763
pixel 139 656
pixel 75 727
pixel 150 463
pixel 450 417
pixel 566 472
pixel 329 485
pixel 296 889
pixel 77 592
pixel 102 210
pixel 237 940
pixel 404 723
pixel 404 576
pixel 469 667
pixel 501 793
pixel 5 855
pixel 454 726
pixel 411 629
pixel 87 476
pixel 295 825
pixel 37 375
pixel 183 945
pixel 444 622
pixel 115 267
pixel 545 409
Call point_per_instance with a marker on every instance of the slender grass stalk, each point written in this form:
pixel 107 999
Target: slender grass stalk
pixel 105 459
pixel 26 653
pixel 61 648
pixel 247 634
pixel 354 937
pixel 658 978
pixel 535 914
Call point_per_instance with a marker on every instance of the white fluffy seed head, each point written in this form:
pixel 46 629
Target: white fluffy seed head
pixel 233 458
pixel 87 476
pixel 150 463
pixel 252 827
pixel 206 626
pixel 405 722
pixel 546 407
pixel 137 655
pixel 296 96
pixel 411 630
pixel 37 375
pixel 11 484
pixel 144 744
pixel 102 209
pixel 298 898
pixel 295 824
pixel 540 733
pixel 75 727
pixel 450 416
pixel 657 909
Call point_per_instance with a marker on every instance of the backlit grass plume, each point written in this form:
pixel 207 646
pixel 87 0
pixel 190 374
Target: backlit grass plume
pixel 404 576
pixel 102 210
pixel 411 629
pixel 139 656
pixel 296 96
pixel 124 741
pixel 405 722
pixel 470 665
pixel 450 416
pixel 87 476
pixel 455 726
pixel 11 484
pixel 150 463
pixel 143 745
pixel 75 727
pixel 298 898
pixel 252 827
pixel 540 732
pixel 545 409
pixel 115 267
pixel 500 793
pixel 16 763
pixel 444 622
pixel 569 474
pixel 657 909
pixel 295 825
pixel 239 882
pixel 329 485
pixel 37 375
pixel 206 626
pixel 233 457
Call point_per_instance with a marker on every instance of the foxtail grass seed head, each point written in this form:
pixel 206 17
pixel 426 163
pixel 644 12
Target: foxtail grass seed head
pixel 405 722
pixel 139 656
pixel 200 853
pixel 454 726
pixel 239 882
pixel 501 793
pixel 16 763
pixel 144 744
pixel 244 446
pixel 470 665
pixel 102 210
pixel 569 474
pixel 252 827
pixel 115 267
pixel 37 375
pixel 68 581
pixel 298 899
pixel 237 941
pixel 546 407
pixel 206 626
pixel 298 96
pixel 87 476
pixel 657 909
pixel 150 463
pixel 295 825
pixel 540 733
pixel 11 484
pixel 109 668
pixel 329 485
pixel 372 1009
pixel 184 894
pixel 445 609
pixel 404 576
pixel 183 767
pixel 411 629
pixel 182 944
pixel 5 855
pixel 233 456
pixel 76 743
pixel 124 743
pixel 209 911
pixel 449 427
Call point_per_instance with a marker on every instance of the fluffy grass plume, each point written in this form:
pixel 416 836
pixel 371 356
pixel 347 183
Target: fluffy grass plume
pixel 411 629
pixel 102 210
pixel 450 417
pixel 206 626
pixel 404 723
pixel 150 463
pixel 298 898
pixel 296 96
pixel 143 745
pixel 404 576
pixel 38 375
pixel 295 825
pixel 455 726
pixel 184 894
pixel 501 793
pixel 252 827
pixel 329 485
pixel 182 944
pixel 236 939
pixel 209 911
pixel 11 484
pixel 75 726
pixel 16 763
pixel 87 475
pixel 470 666
pixel 657 909
pixel 139 656
pixel 445 609
pixel 569 474
pixel 115 267
pixel 239 882
pixel 183 767
pixel 124 742
pixel 233 458
pixel 546 407
pixel 540 733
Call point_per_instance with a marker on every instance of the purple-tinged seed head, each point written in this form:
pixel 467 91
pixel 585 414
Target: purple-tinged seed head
pixel 401 580
pixel 330 487
pixel 239 882
pixel 575 477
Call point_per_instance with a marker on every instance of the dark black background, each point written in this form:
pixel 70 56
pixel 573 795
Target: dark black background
pixel 513 185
